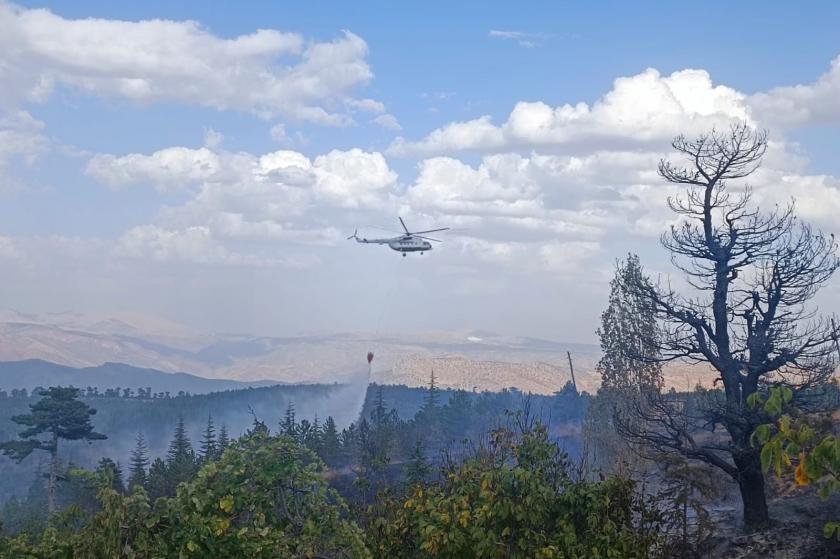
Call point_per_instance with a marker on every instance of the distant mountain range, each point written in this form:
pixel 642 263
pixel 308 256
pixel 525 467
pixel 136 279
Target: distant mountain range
pixel 473 360
pixel 37 372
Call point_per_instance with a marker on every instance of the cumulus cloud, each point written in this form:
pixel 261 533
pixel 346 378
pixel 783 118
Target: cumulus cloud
pixel 536 197
pixel 168 169
pixel 388 121
pixel 268 72
pixel 639 110
pixel 353 178
pixel 280 196
pixel 814 103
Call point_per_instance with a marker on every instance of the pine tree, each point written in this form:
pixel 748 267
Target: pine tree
pixel 180 458
pixel 349 443
pixel 224 441
pixel 60 415
pixel 304 431
pixel 457 416
pixel 314 438
pixel 138 464
pixel 158 480
pixel 330 442
pixel 288 426
pixel 379 413
pixel 418 468
pixel 112 472
pixel 432 401
pixel 628 366
pixel 629 333
pixel 180 447
pixel 208 451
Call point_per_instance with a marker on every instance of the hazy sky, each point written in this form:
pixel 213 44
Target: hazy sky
pixel 205 161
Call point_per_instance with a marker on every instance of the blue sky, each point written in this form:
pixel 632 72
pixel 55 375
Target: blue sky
pixel 107 203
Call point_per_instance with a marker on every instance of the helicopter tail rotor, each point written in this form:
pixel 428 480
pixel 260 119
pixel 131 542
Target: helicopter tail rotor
pixel 354 235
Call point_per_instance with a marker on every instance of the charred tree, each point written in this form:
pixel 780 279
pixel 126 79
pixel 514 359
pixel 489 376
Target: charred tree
pixel 752 277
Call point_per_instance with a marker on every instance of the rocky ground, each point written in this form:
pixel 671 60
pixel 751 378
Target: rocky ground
pixel 796 531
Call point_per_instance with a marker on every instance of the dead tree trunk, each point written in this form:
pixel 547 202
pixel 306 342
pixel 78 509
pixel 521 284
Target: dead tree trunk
pixel 753 274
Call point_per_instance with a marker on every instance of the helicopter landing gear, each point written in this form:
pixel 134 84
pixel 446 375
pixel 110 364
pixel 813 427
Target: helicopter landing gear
pixel 421 254
pixel 404 255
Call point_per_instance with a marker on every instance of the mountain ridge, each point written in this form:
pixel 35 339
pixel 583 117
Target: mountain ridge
pixel 32 373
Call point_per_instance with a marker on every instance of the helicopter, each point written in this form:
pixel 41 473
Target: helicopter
pixel 409 242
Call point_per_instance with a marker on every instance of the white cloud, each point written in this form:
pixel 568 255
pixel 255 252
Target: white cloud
pixel 21 136
pixel 478 134
pixel 278 134
pixel 8 249
pixel 268 72
pixel 388 121
pixel 353 178
pixel 194 245
pixel 213 138
pixel 522 38
pixel 640 110
pixel 523 258
pixel 367 105
pixel 537 197
pixel 815 103
pixel 168 169
pixel 281 196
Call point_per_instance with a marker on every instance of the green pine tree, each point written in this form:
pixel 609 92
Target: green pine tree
pixel 224 441
pixel 418 468
pixel 110 471
pixel 59 414
pixel 158 480
pixel 432 401
pixel 207 450
pixel 330 442
pixel 181 464
pixel 289 426
pixel 138 464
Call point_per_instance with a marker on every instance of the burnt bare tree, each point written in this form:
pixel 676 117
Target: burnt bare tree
pixel 753 276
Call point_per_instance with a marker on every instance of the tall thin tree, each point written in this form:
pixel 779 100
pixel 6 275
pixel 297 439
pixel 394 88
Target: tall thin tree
pixel 207 448
pixel 59 414
pixel 138 464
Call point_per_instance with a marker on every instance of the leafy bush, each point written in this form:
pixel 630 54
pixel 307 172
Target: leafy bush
pixel 515 498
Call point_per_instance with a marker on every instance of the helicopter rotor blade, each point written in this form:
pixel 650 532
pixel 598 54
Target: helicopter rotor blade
pixel 432 230
pixel 427 238
pixel 407 232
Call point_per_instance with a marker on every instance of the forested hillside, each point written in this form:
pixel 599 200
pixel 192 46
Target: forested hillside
pixel 301 408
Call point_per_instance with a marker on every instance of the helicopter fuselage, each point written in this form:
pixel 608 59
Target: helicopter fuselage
pixel 410 244
pixel 403 244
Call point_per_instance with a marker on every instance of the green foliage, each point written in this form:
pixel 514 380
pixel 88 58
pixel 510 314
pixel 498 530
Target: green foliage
pixel 265 497
pixel 60 415
pixel 797 442
pixel 514 498
pixel 629 334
